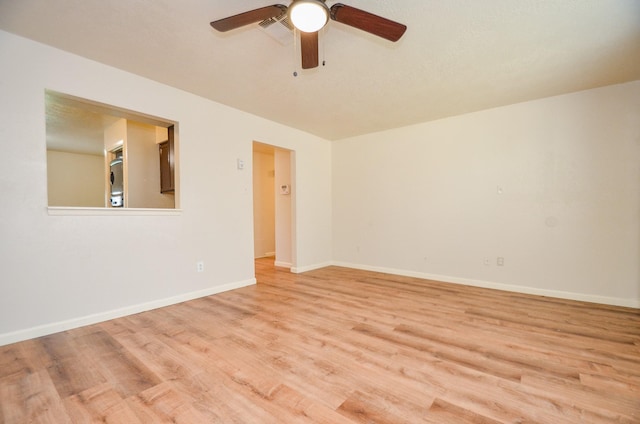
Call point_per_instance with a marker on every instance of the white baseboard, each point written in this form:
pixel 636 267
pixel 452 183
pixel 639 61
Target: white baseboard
pixel 281 264
pixel 629 303
pixel 298 270
pixel 56 327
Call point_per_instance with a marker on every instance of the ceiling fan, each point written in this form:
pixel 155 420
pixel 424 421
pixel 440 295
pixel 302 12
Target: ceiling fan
pixel 309 16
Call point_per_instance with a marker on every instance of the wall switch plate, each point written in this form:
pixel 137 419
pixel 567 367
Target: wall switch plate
pixel 200 266
pixel 500 261
pixel 240 164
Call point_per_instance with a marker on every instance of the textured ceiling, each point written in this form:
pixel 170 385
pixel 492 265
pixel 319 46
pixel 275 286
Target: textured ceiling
pixel 457 56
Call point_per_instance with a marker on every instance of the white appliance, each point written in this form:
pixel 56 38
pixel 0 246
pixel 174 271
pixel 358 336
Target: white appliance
pixel 117 182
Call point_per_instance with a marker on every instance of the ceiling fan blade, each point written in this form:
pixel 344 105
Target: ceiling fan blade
pixel 250 17
pixel 309 49
pixel 368 22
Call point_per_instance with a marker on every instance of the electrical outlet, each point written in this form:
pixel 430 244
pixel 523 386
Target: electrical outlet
pixel 500 261
pixel 200 266
pixel 486 262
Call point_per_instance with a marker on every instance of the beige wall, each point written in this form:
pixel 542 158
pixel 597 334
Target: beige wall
pixel 143 169
pixel 115 135
pixel 75 179
pixel 283 204
pixel 263 204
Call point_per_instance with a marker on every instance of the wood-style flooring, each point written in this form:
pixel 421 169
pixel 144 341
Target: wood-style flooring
pixel 336 346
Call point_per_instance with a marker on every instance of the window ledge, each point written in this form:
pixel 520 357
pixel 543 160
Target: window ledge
pixel 76 211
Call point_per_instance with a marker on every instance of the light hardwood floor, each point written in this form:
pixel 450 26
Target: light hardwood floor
pixel 336 346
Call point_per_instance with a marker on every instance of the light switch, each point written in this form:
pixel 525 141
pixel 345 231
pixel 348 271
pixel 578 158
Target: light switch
pixel 240 164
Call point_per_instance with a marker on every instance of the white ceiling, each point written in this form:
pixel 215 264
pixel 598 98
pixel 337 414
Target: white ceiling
pixel 457 56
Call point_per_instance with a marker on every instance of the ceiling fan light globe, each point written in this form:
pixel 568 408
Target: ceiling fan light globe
pixel 308 15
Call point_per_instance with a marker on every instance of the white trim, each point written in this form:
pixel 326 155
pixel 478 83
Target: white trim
pixel 72 211
pixel 46 329
pixel 298 270
pixel 615 301
pixel 281 264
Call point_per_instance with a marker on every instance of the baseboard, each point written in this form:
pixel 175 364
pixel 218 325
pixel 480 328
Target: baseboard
pixel 281 264
pixel 298 270
pixel 43 330
pixel 629 303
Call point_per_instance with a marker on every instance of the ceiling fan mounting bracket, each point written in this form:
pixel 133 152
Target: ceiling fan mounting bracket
pixel 333 9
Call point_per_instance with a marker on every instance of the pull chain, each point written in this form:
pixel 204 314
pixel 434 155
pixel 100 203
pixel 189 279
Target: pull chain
pixel 296 50
pixel 322 35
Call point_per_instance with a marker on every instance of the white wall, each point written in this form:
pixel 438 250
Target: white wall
pixel 75 179
pixel 54 271
pixel 423 200
pixel 420 200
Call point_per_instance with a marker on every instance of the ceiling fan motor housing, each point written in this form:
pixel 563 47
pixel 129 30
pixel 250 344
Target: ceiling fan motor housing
pixel 309 15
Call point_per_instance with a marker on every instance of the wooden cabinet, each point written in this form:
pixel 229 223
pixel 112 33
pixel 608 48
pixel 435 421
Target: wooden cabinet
pixel 167 163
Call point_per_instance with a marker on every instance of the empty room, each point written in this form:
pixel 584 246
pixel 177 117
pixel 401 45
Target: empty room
pixel 318 212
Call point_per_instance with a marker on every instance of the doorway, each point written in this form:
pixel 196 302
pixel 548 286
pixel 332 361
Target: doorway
pixel 273 194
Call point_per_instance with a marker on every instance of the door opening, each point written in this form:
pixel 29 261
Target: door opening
pixel 273 195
